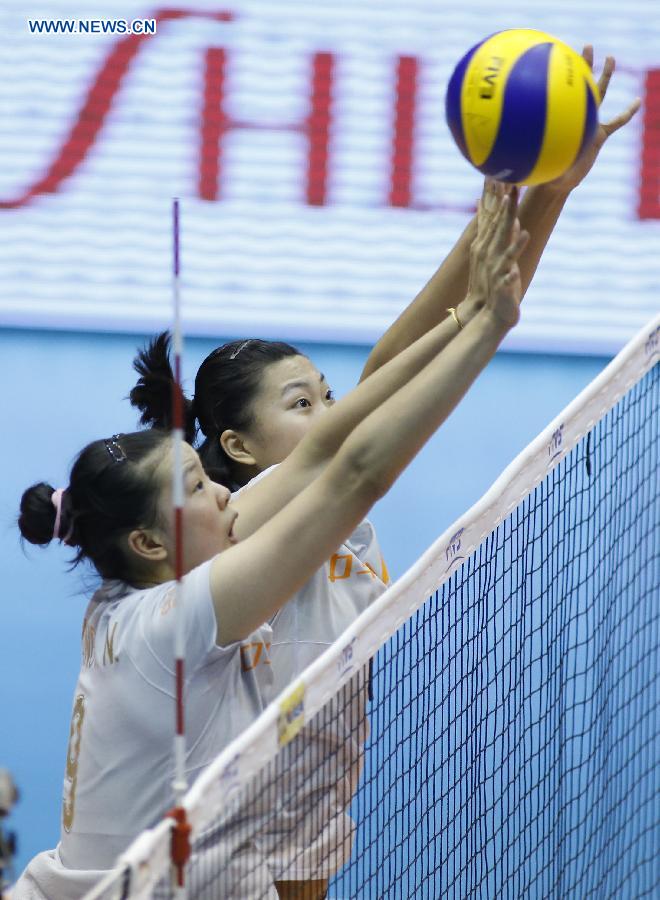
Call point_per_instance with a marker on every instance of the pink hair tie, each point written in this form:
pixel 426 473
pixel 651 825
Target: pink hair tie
pixel 56 500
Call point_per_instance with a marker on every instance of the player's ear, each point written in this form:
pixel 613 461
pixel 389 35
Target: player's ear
pixel 236 448
pixel 147 544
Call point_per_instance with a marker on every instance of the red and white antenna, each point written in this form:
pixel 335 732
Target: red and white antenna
pixel 181 831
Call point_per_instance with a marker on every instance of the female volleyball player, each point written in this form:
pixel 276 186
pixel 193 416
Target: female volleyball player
pixel 116 511
pixel 255 399
pixel 278 396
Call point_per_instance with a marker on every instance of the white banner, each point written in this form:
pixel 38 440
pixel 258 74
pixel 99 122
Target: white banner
pixel 320 186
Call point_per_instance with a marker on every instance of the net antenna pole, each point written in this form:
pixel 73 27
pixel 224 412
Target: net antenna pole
pixel 181 830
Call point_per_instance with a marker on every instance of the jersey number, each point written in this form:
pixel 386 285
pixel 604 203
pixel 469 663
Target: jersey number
pixel 72 757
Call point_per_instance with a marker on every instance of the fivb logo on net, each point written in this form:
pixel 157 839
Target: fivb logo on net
pixel 230 778
pixel 652 345
pixel 555 446
pixel 345 663
pixel 453 548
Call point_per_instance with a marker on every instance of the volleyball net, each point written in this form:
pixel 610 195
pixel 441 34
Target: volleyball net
pixel 503 740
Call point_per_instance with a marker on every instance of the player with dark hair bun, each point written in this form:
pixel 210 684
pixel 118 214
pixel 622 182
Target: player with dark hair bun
pixel 117 513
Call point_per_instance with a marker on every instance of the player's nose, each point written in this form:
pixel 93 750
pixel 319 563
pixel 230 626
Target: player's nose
pixel 222 495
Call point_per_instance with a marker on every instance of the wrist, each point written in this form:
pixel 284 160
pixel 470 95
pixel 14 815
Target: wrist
pixel 468 308
pixel 552 192
pixel 494 323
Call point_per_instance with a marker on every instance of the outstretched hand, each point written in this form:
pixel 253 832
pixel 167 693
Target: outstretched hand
pixel 487 211
pixel 495 252
pixel 583 165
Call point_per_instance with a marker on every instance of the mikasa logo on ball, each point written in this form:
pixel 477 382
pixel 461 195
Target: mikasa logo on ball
pixel 489 78
pixel 522 106
pixel 569 69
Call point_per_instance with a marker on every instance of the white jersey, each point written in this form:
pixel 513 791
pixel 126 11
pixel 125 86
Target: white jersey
pixel 120 762
pixel 335 595
pixel 311 835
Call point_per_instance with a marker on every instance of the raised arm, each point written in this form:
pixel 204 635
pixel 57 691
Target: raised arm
pixel 251 580
pixel 259 502
pixel 263 500
pixel 539 211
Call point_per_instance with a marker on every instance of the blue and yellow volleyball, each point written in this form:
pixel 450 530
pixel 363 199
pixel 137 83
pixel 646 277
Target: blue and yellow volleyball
pixel 522 106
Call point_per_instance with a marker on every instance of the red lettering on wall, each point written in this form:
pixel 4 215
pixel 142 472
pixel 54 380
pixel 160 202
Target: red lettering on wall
pixel 216 123
pixel 404 131
pixel 213 123
pixel 649 180
pixel 100 97
pixel 318 127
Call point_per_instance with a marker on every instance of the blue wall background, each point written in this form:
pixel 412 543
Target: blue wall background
pixel 62 390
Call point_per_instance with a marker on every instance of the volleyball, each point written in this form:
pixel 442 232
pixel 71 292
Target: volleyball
pixel 522 106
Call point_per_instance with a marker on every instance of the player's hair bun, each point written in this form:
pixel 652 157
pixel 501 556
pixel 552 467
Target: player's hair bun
pixel 153 393
pixel 37 517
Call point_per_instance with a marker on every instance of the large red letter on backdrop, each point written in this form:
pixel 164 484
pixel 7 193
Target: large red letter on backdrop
pixel 100 97
pixel 403 132
pixel 216 123
pixel 649 181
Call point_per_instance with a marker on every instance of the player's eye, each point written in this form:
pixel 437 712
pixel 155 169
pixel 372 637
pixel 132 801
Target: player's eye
pixel 303 403
pixel 330 396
